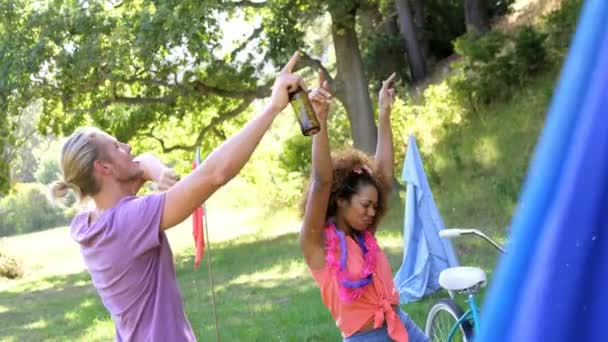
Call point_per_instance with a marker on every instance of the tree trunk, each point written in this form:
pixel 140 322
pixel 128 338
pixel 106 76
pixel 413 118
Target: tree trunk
pixel 419 20
pixel 354 93
pixel 412 46
pixel 371 20
pixel 476 15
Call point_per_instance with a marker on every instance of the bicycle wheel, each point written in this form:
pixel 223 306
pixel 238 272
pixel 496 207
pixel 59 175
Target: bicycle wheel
pixel 440 320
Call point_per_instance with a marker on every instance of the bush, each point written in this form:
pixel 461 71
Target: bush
pixel 530 55
pixel 296 156
pixel 446 20
pixel 9 266
pixel 560 25
pixel 494 65
pixel 48 171
pixel 27 209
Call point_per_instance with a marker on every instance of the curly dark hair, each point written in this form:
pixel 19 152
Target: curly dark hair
pixel 346 182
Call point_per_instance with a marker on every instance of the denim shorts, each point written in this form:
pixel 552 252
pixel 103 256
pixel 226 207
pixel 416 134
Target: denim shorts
pixel 381 334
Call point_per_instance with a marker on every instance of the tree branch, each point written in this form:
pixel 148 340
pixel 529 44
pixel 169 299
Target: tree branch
pixel 220 134
pixel 203 89
pixel 147 81
pixel 244 44
pixel 246 3
pixel 161 141
pixel 223 117
pixel 259 92
pixel 168 100
pixel 201 134
pixel 313 63
pixel 334 83
pixel 142 100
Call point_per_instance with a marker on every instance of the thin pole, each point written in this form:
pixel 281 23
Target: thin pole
pixel 217 332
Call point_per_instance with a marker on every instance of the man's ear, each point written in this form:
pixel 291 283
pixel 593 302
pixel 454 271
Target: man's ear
pixel 102 167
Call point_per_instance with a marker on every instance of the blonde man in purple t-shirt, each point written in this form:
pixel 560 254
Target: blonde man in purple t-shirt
pixel 122 239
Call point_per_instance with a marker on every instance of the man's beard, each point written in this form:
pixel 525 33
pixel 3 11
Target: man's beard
pixel 132 176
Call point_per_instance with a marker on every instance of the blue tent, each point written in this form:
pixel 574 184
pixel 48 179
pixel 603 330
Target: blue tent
pixel 425 254
pixel 552 285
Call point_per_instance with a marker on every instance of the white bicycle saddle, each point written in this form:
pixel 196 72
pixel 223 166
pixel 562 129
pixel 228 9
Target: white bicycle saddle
pixel 462 278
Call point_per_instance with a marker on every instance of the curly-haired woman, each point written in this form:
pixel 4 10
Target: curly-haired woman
pixel 346 199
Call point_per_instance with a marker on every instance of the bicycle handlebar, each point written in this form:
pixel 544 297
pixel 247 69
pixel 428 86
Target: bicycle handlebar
pixel 456 232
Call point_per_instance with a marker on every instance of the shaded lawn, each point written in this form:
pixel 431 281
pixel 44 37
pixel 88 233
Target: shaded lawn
pixel 263 292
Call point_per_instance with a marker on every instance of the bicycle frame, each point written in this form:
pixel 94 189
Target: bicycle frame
pixel 472 311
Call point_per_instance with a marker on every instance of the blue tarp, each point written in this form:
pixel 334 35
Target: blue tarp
pixel 552 285
pixel 425 254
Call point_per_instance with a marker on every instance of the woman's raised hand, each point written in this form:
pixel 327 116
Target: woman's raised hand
pixel 321 97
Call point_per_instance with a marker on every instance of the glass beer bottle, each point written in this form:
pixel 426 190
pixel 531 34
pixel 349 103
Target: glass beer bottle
pixel 309 124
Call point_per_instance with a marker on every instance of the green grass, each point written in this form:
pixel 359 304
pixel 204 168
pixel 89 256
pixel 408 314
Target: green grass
pixel 477 168
pixel 263 289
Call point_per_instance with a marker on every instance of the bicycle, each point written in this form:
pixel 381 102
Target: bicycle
pixel 446 321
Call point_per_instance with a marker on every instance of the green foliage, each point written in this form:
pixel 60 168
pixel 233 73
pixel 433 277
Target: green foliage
pixel 4 170
pixel 127 68
pixel 20 58
pixel 379 46
pixel 475 164
pixel 560 25
pixel 286 25
pixel 47 171
pixel 445 21
pixel 27 209
pixel 296 156
pixel 428 120
pixel 296 153
pixel 494 65
pixel 47 153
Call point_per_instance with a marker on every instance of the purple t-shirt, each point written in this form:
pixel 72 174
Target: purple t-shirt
pixel 131 265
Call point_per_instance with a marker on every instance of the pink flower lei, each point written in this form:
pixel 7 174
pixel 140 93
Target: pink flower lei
pixel 349 289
